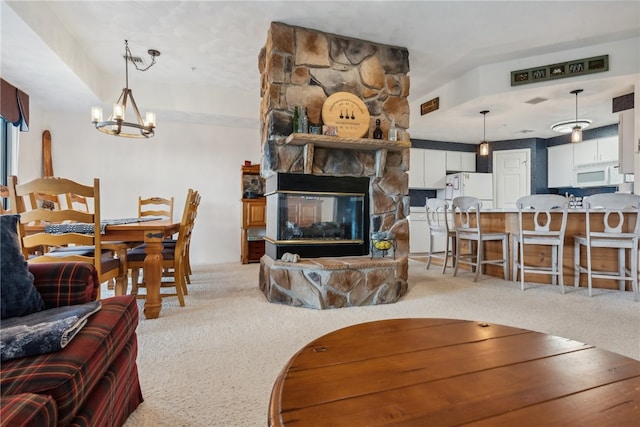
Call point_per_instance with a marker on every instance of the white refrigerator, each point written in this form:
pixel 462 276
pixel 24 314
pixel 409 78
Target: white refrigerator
pixel 473 184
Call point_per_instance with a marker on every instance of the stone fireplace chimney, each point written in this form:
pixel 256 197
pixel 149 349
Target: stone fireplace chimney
pixel 299 66
pixel 303 67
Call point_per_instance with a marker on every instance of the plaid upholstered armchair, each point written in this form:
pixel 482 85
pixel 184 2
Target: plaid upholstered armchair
pixel 70 386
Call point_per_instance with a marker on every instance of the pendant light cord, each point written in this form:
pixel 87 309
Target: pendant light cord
pixel 484 127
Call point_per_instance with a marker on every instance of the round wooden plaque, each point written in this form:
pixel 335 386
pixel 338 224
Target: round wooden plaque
pixel 348 113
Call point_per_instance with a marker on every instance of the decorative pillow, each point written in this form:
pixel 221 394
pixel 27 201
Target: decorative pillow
pixel 18 296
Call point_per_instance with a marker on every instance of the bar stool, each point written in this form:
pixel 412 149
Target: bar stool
pixel 539 229
pixel 466 219
pixel 438 223
pixel 622 235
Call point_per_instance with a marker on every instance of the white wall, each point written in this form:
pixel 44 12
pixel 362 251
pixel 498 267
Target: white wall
pixel 181 156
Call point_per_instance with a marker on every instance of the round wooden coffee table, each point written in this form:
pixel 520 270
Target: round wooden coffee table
pixel 418 372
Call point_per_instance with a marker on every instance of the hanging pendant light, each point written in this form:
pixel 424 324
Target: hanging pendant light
pixel 576 131
pixel 116 124
pixel 484 145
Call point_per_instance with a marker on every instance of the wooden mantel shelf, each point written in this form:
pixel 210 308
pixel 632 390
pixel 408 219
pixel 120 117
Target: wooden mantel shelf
pixel 380 146
pixel 365 144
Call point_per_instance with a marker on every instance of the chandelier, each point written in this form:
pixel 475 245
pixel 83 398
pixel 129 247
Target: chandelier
pixel 116 124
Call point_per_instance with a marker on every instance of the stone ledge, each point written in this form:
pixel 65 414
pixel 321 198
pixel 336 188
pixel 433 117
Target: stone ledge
pixel 341 263
pixel 323 283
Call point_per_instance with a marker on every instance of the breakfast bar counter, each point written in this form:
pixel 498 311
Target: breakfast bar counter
pixel 500 220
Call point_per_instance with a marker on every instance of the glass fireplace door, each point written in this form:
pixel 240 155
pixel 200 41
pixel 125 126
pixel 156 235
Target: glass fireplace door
pixel 319 217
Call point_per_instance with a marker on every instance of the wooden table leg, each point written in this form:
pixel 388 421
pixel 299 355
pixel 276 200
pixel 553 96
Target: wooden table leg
pixel 153 274
pixel 121 281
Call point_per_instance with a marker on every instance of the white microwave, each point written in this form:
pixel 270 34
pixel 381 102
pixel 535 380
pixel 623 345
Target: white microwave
pixel 597 175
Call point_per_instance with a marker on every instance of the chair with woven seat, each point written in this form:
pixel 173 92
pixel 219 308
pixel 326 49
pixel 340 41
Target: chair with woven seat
pixel 616 231
pixel 85 245
pixel 173 256
pixel 466 220
pixel 438 224
pixel 537 227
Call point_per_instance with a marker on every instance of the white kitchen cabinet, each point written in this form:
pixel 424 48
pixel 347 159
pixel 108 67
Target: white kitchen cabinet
pixel 468 161
pixel 416 168
pixel 625 136
pixel 560 166
pixel 585 152
pixel 461 161
pixel 434 169
pixel 427 168
pixel 595 151
pixel 608 150
pixel 419 233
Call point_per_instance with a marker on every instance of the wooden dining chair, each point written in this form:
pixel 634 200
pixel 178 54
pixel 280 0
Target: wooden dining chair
pixel 537 228
pixel 155 206
pixel 81 244
pixel 187 242
pixel 171 242
pixel 466 220
pixel 615 230
pixel 74 200
pixel 173 256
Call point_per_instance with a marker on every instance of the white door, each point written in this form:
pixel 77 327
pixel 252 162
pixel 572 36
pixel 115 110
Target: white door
pixel 511 172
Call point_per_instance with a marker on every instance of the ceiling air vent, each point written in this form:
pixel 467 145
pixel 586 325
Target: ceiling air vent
pixel 537 100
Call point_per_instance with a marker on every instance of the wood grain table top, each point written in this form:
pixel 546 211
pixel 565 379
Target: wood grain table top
pixel 441 372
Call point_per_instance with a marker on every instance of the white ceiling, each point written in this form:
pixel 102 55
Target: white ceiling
pixel 68 55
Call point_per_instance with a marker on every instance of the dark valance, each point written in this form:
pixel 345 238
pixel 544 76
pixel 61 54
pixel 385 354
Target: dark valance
pixel 14 105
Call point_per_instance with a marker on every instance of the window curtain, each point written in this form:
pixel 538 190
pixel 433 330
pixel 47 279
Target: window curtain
pixel 14 105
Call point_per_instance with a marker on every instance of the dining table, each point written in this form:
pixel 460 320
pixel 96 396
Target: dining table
pixel 149 231
pixel 152 233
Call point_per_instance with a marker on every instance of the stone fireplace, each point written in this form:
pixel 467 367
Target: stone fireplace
pixel 300 66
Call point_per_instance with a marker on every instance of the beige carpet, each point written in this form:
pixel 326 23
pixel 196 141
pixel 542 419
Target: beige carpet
pixel 213 362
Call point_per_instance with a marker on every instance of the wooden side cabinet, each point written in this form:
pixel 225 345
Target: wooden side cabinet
pixel 253 215
pixel 254 212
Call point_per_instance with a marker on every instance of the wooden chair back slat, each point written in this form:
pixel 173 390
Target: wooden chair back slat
pixel 155 206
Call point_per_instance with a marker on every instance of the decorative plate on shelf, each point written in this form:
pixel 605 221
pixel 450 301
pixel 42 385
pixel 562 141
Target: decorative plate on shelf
pixel 348 113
